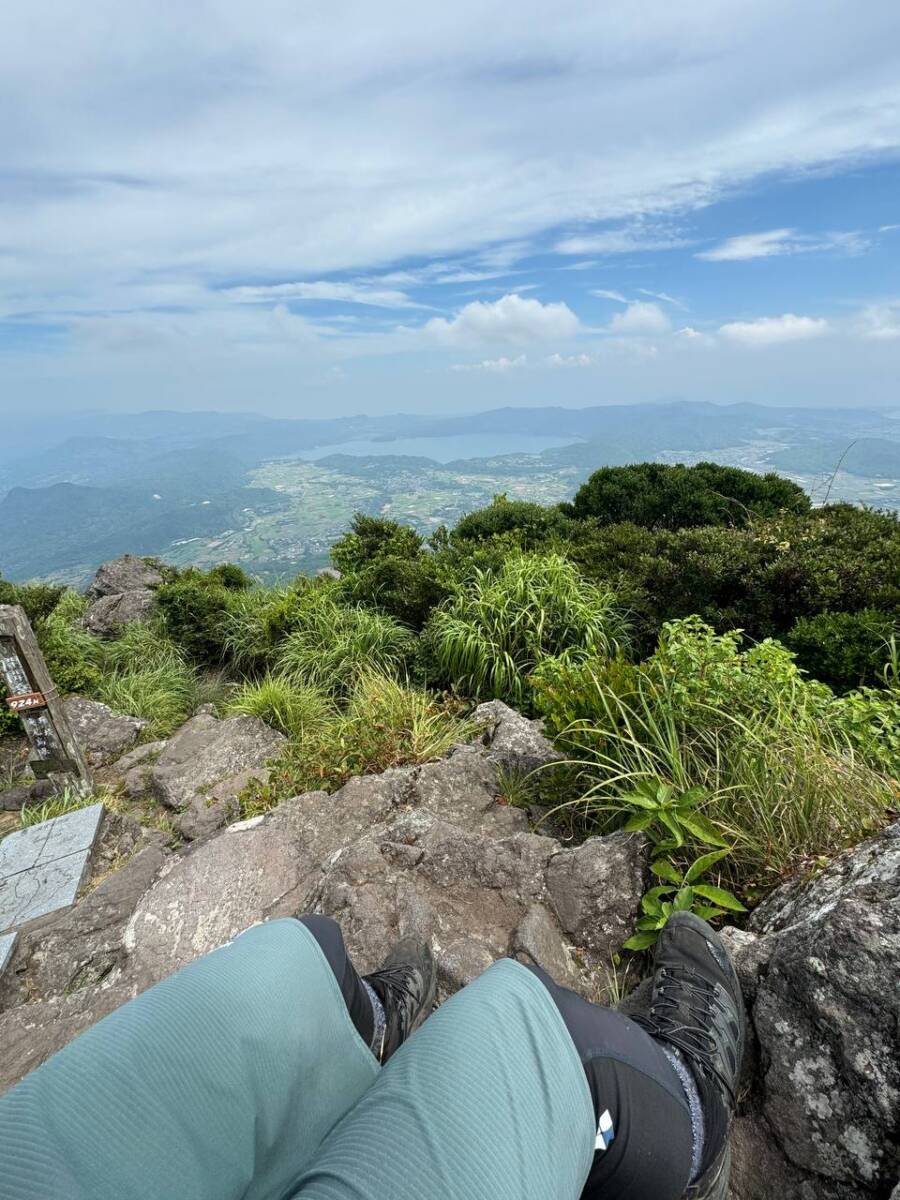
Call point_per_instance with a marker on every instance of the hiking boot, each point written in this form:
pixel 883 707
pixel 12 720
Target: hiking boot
pixel 406 985
pixel 696 1008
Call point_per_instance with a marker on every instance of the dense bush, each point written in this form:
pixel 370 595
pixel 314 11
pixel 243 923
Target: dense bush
pixel 38 599
pixel 671 497
pixel 371 538
pixel 844 650
pixel 195 609
pixel 533 524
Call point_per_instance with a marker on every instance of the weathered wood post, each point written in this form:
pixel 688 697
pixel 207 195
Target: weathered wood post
pixel 54 749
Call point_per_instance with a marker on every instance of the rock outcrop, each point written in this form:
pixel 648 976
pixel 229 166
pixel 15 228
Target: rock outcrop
pixel 108 616
pixel 121 593
pixel 130 573
pixel 206 765
pixel 820 967
pixel 103 735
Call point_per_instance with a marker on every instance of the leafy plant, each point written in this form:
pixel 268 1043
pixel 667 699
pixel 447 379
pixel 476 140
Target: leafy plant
pixel 681 893
pixel 669 817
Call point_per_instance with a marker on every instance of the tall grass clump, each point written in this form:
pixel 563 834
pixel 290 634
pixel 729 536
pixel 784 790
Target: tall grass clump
pixel 386 723
pixel 782 781
pixel 489 638
pixel 333 645
pixel 147 675
pixel 295 709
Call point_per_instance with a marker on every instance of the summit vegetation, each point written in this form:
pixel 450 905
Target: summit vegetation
pixel 717 662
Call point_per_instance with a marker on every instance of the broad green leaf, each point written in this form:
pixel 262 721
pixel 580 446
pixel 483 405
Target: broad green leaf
pixel 719 896
pixel 684 900
pixel 707 912
pixel 664 869
pixel 702 864
pixel 639 800
pixel 692 797
pixel 651 901
pixel 638 821
pixel 651 922
pixel 702 829
pixel 673 827
pixel 640 941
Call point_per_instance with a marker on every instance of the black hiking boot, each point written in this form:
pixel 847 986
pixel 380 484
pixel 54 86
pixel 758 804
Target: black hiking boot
pixel 696 1008
pixel 406 985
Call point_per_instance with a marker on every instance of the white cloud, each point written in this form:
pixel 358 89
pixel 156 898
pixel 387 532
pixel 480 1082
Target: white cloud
pixel 496 366
pixel 512 319
pixel 569 360
pixel 607 295
pixel 641 317
pixel 880 322
pixel 783 241
pixel 664 296
pixel 634 240
pixel 770 331
pixel 348 293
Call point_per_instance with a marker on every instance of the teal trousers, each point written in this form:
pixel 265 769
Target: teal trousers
pixel 242 1076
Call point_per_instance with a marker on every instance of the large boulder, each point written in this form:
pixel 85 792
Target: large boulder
pixel 207 751
pixel 130 573
pixel 103 735
pixel 820 966
pixel 108 616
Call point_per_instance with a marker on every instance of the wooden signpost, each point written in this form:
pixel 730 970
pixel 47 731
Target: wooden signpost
pixel 55 753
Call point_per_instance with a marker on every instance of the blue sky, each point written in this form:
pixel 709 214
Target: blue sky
pixel 314 211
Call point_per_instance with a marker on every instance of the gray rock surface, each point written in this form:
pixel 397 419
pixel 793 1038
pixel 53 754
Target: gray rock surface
pixel 821 966
pixel 108 616
pixel 206 751
pixel 103 735
pixel 592 889
pixel 515 742
pixel 129 573
pixel 16 798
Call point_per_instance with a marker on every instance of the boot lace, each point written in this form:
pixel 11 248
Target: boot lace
pixel 681 1016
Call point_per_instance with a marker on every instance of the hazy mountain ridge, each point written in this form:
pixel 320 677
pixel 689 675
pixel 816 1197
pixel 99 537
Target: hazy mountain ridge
pixel 149 482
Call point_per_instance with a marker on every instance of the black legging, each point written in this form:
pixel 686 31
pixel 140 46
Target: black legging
pixel 629 1076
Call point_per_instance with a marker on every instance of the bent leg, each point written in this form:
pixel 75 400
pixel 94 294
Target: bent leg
pixel 218 1083
pixel 488 1098
pixel 643 1120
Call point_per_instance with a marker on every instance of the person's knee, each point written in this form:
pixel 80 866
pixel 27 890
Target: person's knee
pixel 328 934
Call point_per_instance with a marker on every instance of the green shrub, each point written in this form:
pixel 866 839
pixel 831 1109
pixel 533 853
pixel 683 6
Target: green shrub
pixel 296 709
pixel 671 497
pixel 73 655
pixel 404 588
pixel 489 638
pixel 371 538
pixel 195 610
pixel 230 577
pixel 843 649
pixel 38 599
pixel 785 782
pixel 332 644
pixel 533 525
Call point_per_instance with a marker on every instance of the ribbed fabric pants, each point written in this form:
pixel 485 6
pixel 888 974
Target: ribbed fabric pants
pixel 242 1076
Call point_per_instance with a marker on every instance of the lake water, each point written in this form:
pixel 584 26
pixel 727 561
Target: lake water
pixel 446 449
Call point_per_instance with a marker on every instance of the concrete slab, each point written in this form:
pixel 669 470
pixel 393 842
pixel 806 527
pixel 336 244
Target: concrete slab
pixel 41 890
pixel 50 840
pixel 41 868
pixel 7 945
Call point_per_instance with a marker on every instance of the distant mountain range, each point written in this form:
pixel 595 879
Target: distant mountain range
pixel 95 484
